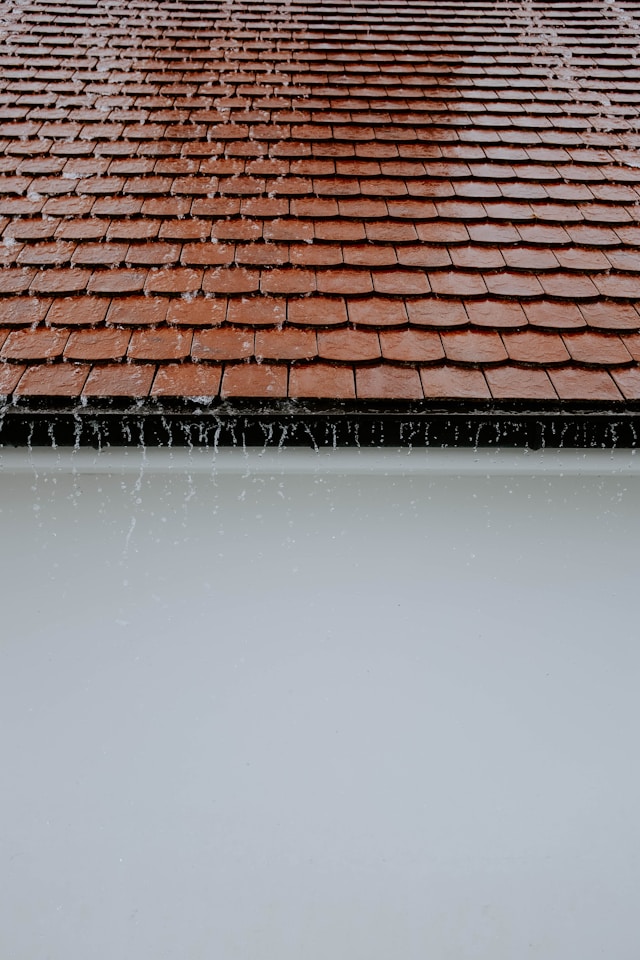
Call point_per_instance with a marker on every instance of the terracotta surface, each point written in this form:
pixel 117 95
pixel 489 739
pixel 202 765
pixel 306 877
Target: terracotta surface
pixel 327 200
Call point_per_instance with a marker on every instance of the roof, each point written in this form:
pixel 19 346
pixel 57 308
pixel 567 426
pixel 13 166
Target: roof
pixel 364 203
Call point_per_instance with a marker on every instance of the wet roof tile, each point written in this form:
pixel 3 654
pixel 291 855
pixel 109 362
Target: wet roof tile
pixel 362 200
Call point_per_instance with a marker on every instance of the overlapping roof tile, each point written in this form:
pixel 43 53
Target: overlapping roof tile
pixel 350 200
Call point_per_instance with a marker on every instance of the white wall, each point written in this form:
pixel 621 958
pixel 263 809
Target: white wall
pixel 319 707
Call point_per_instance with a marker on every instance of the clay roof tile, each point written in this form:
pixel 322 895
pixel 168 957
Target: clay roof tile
pixel 383 203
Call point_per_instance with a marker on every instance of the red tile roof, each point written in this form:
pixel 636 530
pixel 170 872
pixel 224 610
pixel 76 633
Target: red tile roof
pixel 332 200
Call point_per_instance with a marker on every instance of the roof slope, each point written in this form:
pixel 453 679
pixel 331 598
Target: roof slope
pixel 348 200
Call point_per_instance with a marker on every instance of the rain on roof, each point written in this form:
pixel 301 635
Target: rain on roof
pixel 351 215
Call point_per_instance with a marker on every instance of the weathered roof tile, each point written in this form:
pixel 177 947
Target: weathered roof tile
pixel 118 380
pixel 53 380
pixel 322 381
pixel 187 380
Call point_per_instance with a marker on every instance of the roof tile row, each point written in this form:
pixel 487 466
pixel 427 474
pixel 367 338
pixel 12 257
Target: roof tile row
pixel 347 280
pixel 321 380
pixel 408 346
pixel 318 311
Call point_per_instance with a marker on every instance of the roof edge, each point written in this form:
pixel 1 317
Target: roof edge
pixel 200 422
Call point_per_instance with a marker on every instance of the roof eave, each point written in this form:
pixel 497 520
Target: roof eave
pixel 201 421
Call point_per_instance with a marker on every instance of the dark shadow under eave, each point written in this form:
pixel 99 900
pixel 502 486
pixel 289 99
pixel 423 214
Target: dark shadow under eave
pixel 184 422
